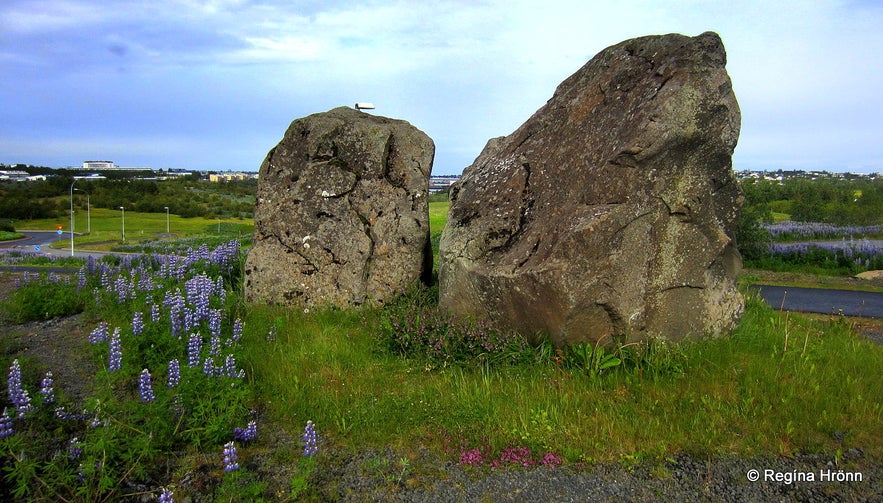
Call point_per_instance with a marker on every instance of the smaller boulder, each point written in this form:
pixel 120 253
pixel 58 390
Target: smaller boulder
pixel 342 216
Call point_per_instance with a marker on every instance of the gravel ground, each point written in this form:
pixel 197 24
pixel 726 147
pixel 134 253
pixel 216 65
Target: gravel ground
pixel 367 477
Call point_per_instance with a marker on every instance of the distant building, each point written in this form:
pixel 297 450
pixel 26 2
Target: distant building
pixel 98 165
pixel 178 172
pixel 227 177
pixel 16 176
pixel 442 182
pixel 110 166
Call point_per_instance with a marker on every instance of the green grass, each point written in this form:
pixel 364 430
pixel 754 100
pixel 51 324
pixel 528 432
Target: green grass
pixel 780 384
pixel 438 215
pixel 106 227
pixel 6 235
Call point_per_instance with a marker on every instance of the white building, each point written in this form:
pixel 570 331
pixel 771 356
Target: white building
pixel 98 165
pixel 110 166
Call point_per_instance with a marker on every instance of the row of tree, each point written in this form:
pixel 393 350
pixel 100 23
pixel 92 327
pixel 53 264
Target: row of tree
pixel 185 197
pixel 840 201
pixel 830 200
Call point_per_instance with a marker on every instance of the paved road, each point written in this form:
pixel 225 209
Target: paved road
pixel 820 300
pixel 34 238
pixel 44 238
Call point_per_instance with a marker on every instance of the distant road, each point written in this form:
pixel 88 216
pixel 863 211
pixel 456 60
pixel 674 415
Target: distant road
pixel 34 238
pixel 821 300
pixel 45 238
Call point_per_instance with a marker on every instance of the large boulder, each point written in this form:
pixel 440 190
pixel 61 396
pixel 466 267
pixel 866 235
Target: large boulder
pixel 341 216
pixel 609 215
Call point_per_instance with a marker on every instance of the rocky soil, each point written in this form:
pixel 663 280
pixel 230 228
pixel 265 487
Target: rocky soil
pixel 423 476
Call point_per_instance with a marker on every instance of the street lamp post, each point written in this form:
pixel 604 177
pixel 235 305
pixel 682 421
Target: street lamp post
pixel 72 216
pixel 124 222
pixel 88 216
pixel 167 218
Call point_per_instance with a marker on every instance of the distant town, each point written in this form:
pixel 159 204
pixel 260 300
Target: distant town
pixel 98 170
pixel 437 183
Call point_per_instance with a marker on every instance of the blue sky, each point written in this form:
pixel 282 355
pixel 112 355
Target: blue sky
pixel 212 85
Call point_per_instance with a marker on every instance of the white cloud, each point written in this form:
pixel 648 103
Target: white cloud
pixel 49 16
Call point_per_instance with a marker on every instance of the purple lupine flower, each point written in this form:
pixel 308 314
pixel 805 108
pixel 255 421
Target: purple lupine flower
pixel 214 325
pixel 231 462
pixel 154 313
pixel 230 368
pixel 175 302
pixel 137 323
pixel 215 344
pixel 221 292
pixel 310 439
pixel 208 367
pixel 18 396
pixel 199 290
pixel 99 334
pixel 81 278
pixel 193 347
pixel 122 288
pixel 145 389
pixel 190 319
pixel 74 449
pixel 145 281
pixel 104 278
pixel 46 388
pixel 64 415
pixel 165 496
pixel 116 351
pixel 6 424
pixel 91 264
pixel 237 331
pixel 247 434
pixel 174 373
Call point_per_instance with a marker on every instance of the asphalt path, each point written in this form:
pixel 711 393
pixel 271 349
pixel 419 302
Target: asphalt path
pixel 35 238
pixel 822 300
pixel 42 239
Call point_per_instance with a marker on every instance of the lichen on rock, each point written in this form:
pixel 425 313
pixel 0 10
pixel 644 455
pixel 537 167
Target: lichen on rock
pixel 609 215
pixel 341 216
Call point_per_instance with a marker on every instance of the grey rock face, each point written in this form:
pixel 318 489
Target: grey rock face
pixel 609 214
pixel 341 216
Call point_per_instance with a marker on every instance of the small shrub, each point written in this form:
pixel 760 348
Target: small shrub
pixel 413 326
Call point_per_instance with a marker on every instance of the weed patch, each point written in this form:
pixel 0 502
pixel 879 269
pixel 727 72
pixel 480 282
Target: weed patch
pixel 43 296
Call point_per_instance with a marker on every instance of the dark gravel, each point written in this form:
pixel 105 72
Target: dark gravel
pixel 380 476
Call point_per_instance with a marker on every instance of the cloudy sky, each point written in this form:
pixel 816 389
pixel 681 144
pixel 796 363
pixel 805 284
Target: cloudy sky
pixel 214 84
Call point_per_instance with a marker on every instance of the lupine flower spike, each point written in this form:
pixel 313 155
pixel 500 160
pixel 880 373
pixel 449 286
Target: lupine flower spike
pixel 174 373
pixel 116 351
pixel 231 462
pixel 6 424
pixel 310 439
pixel 18 396
pixel 46 389
pixel 145 389
pixel 247 434
pixel 165 496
